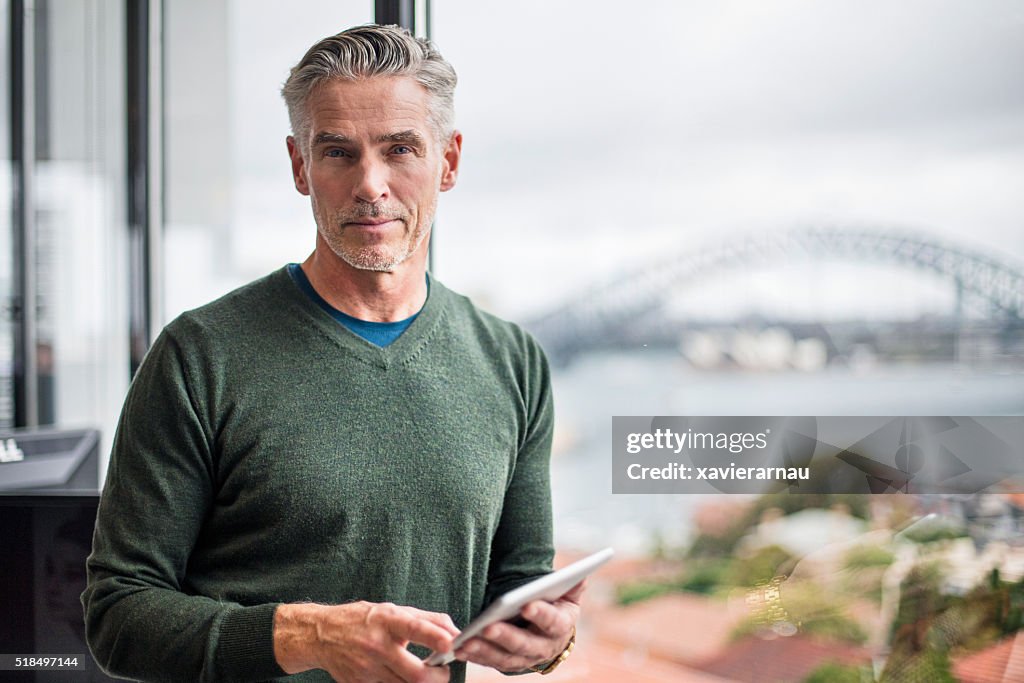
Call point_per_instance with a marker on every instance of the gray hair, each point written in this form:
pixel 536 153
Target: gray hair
pixel 364 52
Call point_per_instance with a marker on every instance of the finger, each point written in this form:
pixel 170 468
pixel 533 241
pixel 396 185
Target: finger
pixel 487 653
pixel 576 592
pixel 408 667
pixel 526 642
pixel 442 620
pixel 409 628
pixel 550 619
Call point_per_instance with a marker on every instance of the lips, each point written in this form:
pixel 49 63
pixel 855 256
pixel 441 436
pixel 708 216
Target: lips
pixel 372 222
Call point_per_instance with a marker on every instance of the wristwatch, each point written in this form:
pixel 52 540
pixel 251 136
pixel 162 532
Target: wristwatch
pixel 765 601
pixel 544 670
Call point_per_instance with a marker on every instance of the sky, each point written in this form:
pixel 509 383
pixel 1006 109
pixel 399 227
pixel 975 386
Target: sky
pixel 603 137
pixel 598 140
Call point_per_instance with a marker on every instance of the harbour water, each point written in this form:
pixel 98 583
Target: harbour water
pixel 597 386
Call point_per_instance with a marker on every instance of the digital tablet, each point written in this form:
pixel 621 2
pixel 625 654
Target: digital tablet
pixel 549 588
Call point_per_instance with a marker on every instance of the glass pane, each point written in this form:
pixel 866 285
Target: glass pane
pixel 6 230
pixel 80 216
pixel 745 208
pixel 232 213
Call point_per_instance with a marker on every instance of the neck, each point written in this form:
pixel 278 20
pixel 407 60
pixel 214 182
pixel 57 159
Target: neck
pixel 365 294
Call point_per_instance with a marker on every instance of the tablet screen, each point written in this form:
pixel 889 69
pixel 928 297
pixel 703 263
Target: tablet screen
pixel 549 587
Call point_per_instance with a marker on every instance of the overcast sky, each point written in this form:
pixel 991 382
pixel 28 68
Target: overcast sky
pixel 600 136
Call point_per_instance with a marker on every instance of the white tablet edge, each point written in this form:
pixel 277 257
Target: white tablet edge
pixel 508 605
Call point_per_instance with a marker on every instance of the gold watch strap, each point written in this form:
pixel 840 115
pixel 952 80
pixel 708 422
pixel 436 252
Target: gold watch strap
pixel 765 602
pixel 554 663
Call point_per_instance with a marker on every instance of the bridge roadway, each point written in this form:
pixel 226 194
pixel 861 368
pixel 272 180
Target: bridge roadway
pixel 600 316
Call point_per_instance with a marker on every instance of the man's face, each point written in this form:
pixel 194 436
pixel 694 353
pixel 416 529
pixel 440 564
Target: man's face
pixel 373 168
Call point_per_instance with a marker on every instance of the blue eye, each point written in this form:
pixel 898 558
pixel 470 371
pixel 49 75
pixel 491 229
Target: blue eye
pixel 402 149
pixel 334 153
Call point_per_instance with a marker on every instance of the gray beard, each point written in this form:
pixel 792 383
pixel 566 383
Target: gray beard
pixel 376 259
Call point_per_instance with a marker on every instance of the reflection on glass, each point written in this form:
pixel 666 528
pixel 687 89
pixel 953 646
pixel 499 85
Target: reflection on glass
pixel 6 233
pixel 728 209
pixel 79 216
pixel 74 96
pixel 232 214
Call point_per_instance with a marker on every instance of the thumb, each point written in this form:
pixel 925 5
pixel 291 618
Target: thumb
pixel 575 593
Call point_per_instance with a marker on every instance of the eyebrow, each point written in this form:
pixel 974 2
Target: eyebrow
pixel 409 136
pixel 405 136
pixel 330 138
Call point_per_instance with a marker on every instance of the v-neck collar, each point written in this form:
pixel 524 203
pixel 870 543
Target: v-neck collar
pixel 400 351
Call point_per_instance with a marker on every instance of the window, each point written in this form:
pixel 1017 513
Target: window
pixel 232 214
pixel 74 182
pixel 6 235
pixel 743 208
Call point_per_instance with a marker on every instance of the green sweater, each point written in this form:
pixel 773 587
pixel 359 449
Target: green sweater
pixel 266 454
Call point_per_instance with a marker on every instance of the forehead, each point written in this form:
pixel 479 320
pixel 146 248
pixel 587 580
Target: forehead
pixel 370 106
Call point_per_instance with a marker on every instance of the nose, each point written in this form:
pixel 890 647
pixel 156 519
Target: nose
pixel 371 183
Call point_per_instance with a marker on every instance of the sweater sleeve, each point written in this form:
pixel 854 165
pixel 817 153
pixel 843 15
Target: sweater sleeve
pixel 141 622
pixel 523 548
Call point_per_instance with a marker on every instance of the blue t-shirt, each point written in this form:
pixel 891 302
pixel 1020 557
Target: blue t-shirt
pixel 380 334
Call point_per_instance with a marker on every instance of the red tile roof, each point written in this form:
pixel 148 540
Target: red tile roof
pixel 780 659
pixel 683 628
pixel 593 662
pixel 1015 498
pixel 1000 663
pixel 630 644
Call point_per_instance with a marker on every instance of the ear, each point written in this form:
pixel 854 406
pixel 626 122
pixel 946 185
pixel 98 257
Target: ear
pixel 298 166
pixel 450 163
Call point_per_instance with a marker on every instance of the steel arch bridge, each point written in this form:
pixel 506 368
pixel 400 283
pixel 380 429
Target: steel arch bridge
pixel 606 308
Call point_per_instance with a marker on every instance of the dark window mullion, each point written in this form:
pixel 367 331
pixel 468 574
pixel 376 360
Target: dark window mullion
pixel 23 156
pixel 137 18
pixel 400 12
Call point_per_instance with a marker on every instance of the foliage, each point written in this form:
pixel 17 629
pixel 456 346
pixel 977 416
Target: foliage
pixel 718 546
pixel 628 593
pixel 866 583
pixel 928 665
pixel 835 626
pixel 821 613
pixel 830 625
pixel 920 601
pixel 704 577
pixel 866 556
pixel 813 611
pixel 763 565
pixel 1011 611
pixel 865 565
pixel 724 545
pixel 986 614
pixel 701 576
pixel 834 672
pixel 930 624
pixel 934 533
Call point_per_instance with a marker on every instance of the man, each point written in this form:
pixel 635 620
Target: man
pixel 343 458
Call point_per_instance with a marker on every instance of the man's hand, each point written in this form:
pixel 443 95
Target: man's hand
pixel 361 641
pixel 508 648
